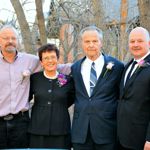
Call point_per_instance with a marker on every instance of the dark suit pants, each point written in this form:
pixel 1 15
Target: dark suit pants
pixel 50 141
pixel 120 147
pixel 91 145
pixel 13 132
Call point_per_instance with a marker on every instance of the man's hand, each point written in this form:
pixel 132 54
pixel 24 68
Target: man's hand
pixel 147 145
pixel 65 68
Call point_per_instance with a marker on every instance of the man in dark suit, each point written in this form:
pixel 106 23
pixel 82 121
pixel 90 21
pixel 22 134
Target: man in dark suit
pixel 94 120
pixel 134 104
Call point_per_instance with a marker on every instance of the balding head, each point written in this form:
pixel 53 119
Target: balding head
pixel 142 31
pixel 139 42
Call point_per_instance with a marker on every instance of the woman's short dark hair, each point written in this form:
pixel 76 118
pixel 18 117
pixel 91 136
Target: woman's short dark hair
pixel 48 48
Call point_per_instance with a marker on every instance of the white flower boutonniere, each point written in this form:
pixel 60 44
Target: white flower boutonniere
pixel 108 67
pixel 25 73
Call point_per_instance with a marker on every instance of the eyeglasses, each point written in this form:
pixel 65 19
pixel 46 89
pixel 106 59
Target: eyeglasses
pixel 49 58
pixel 9 38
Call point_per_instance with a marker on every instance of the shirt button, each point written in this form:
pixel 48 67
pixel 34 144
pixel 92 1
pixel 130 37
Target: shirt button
pixel 49 103
pixel 49 91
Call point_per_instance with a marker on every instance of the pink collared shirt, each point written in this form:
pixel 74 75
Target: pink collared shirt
pixel 14 85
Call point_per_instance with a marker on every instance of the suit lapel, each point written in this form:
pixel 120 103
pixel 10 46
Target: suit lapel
pixel 103 78
pixel 122 86
pixel 139 69
pixel 136 72
pixel 125 88
pixel 106 73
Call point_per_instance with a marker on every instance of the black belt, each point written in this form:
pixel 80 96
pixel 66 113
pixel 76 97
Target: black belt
pixel 12 116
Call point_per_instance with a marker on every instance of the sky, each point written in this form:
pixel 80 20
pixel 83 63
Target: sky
pixel 7 11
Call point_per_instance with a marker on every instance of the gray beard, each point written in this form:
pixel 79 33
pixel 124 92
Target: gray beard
pixel 11 50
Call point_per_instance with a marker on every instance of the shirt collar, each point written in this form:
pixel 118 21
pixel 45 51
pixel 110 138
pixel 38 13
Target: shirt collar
pixel 17 55
pixel 99 59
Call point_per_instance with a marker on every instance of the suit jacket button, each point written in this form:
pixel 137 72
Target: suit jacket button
pixel 49 91
pixel 49 103
pixel 90 99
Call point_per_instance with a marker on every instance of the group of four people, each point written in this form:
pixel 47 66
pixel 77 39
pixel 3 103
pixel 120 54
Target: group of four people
pixel 111 112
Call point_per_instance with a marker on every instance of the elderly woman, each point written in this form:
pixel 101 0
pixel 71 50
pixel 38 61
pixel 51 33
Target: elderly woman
pixel 53 93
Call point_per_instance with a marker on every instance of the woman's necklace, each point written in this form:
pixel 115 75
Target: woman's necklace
pixel 53 77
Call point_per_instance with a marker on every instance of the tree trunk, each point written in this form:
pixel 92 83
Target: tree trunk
pixel 41 21
pixel 123 33
pixel 25 31
pixel 144 6
pixel 98 12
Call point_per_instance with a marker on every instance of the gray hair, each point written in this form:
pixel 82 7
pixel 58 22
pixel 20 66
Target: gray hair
pixel 8 26
pixel 91 28
pixel 147 34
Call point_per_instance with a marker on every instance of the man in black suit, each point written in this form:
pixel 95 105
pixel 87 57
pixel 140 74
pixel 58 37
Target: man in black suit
pixel 94 120
pixel 134 103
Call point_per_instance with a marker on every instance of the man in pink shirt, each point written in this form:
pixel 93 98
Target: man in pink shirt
pixel 15 68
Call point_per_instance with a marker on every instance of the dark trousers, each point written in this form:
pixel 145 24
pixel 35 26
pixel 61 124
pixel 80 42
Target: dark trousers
pixel 13 132
pixel 120 147
pixel 91 145
pixel 50 141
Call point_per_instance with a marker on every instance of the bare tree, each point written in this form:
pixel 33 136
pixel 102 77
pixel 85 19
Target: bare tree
pixel 25 30
pixel 41 21
pixel 144 6
pixel 68 17
pixel 123 29
pixel 98 13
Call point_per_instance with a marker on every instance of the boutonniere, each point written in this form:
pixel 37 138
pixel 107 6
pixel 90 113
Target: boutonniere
pixel 25 73
pixel 108 67
pixel 62 80
pixel 142 63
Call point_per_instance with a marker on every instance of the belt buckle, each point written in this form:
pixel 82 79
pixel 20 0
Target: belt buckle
pixel 8 117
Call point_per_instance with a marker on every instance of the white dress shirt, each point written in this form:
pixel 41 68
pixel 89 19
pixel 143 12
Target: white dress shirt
pixel 86 69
